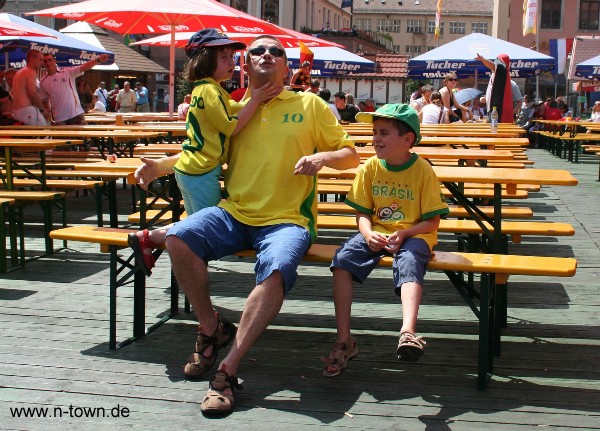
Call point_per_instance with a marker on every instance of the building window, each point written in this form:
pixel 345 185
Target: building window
pixel 551 11
pixel 429 48
pixel 431 27
pixel 240 5
pixel 388 25
pixel 457 27
pixel 396 48
pixel 362 24
pixel 589 14
pixel 414 26
pixel 413 50
pixel 59 23
pixel 479 27
pixel 270 11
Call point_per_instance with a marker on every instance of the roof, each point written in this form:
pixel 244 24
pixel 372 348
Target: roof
pixel 584 48
pixel 126 58
pixel 388 66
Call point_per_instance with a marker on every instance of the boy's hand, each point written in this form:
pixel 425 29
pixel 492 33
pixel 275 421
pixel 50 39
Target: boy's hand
pixel 376 241
pixel 394 241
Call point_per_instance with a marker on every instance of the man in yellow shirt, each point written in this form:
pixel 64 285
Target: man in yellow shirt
pixel 270 206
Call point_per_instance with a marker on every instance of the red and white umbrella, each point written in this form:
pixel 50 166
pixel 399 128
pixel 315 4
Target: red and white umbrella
pixel 289 41
pixel 160 16
pixel 8 28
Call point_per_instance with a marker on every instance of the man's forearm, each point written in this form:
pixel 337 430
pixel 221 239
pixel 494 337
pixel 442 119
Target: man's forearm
pixel 346 158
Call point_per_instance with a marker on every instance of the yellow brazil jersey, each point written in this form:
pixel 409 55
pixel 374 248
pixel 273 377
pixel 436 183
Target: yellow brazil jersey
pixel 398 197
pixel 260 183
pixel 210 122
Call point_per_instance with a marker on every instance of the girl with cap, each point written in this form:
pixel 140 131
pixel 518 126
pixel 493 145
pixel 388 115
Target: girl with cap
pixel 213 117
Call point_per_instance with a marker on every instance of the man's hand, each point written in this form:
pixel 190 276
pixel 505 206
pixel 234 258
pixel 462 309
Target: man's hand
pixel 308 165
pixel 102 58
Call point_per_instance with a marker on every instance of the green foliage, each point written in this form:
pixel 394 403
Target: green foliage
pixel 413 85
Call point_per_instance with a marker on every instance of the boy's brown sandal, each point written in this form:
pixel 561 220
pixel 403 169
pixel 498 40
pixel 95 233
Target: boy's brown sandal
pixel 216 402
pixel 198 364
pixel 338 359
pixel 410 347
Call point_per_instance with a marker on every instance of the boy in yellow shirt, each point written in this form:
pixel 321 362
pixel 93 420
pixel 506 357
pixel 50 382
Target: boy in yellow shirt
pixel 398 203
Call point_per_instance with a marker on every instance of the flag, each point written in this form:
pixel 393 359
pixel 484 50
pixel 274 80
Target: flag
pixel 438 20
pixel 560 49
pixel 305 54
pixel 529 17
pixel 346 3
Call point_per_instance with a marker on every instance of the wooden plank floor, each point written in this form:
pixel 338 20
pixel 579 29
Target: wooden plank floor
pixel 54 354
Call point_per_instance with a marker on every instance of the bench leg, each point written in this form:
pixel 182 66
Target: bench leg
pixel 486 330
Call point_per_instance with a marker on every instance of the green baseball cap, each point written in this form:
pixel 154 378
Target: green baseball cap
pixel 395 111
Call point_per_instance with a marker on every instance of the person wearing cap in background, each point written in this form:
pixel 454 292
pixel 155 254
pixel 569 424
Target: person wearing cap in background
pixel 59 90
pixel 141 95
pixel 212 117
pixel 398 202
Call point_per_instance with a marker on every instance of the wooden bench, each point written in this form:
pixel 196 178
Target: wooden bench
pixel 494 269
pixel 46 199
pixel 470 234
pixel 341 208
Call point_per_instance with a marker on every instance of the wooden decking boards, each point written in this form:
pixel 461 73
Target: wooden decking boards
pixel 53 350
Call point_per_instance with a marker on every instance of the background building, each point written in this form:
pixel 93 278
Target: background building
pixel 410 24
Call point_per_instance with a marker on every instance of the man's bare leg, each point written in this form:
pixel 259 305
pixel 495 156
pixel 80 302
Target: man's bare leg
pixel 192 275
pixel 261 308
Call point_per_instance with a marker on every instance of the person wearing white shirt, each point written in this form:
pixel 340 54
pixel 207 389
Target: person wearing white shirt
pixel 102 94
pixel 435 112
pixel 183 107
pixel 98 106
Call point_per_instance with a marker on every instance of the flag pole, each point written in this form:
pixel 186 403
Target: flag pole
pixel 537 47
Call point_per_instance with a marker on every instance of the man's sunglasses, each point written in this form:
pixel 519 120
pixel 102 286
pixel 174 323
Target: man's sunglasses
pixel 273 50
pixel 452 79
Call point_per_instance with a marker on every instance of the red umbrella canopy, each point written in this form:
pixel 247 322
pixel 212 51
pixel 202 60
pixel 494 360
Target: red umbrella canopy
pixel 181 38
pixel 8 28
pixel 158 16
pixel 162 16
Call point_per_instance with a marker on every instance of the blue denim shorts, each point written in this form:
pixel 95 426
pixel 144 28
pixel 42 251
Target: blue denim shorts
pixel 213 233
pixel 199 191
pixel 410 263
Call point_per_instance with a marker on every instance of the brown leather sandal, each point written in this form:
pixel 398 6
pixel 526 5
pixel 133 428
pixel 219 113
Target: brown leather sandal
pixel 198 364
pixel 216 402
pixel 410 347
pixel 338 359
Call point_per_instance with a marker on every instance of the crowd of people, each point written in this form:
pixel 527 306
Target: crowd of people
pixel 42 93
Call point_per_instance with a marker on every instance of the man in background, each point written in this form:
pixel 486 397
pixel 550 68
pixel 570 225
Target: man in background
pixel 59 91
pixel 27 103
pixel 126 99
pixel 141 94
pixel 102 94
